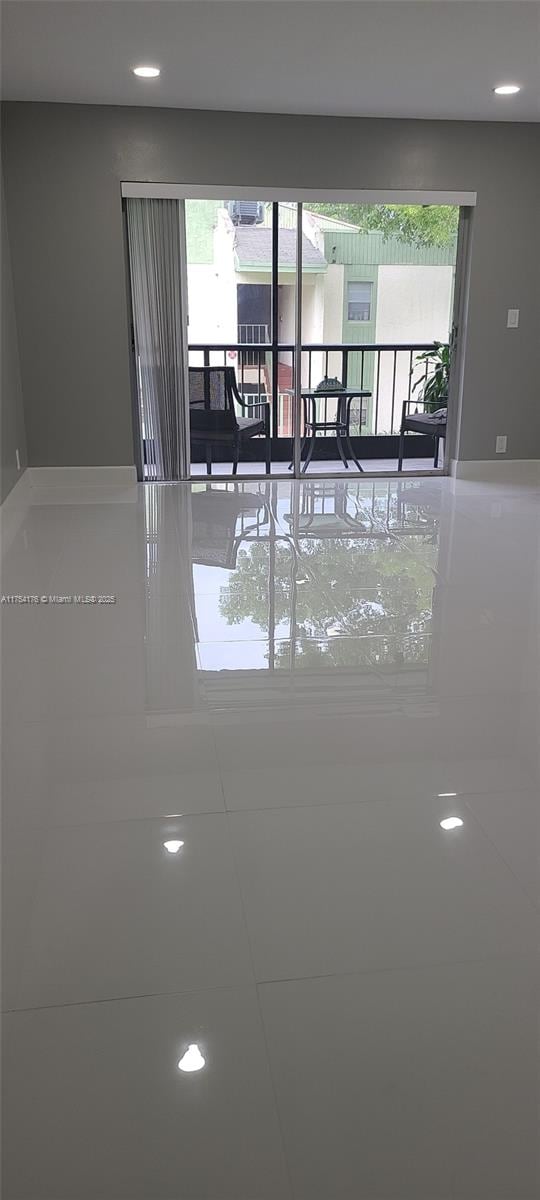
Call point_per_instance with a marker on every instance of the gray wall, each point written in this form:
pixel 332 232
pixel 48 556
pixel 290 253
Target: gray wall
pixel 13 432
pixel 64 165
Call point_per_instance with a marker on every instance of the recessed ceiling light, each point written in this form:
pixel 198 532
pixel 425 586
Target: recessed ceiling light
pixel 146 72
pixel 446 794
pixel 173 846
pixel 506 89
pixel 192 1060
pixel 451 823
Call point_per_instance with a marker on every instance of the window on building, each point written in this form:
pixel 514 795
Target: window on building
pixel 359 301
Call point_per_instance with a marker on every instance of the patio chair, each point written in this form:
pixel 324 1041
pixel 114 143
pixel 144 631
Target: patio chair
pixel 213 396
pixel 434 424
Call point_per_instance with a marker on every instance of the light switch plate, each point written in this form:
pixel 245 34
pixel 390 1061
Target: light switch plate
pixel 501 443
pixel 513 318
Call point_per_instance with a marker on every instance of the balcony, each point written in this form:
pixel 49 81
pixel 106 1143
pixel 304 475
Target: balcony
pixel 265 373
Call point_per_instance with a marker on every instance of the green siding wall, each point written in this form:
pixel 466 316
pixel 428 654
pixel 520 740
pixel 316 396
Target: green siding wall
pixel 366 249
pixel 201 220
pixel 360 332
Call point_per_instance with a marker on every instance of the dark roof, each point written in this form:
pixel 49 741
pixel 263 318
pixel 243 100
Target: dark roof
pixel 253 247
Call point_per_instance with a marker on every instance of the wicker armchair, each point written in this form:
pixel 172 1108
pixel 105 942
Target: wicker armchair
pixel 213 396
pixel 433 424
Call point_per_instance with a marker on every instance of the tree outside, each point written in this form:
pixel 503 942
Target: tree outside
pixel 418 224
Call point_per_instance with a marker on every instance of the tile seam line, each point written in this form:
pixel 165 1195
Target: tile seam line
pixel 459 796
pixel 424 967
pixel 236 867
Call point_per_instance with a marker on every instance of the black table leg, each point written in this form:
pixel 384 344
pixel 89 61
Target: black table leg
pixel 302 448
pixel 352 455
pixel 309 454
pixel 341 451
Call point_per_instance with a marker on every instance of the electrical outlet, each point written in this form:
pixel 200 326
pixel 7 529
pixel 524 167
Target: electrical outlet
pixel 18 460
pixel 512 320
pixel 500 444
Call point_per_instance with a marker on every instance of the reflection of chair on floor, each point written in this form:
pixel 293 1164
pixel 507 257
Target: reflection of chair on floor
pixel 215 514
pixel 213 396
pixel 413 516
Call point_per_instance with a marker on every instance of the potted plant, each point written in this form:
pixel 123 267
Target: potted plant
pixel 434 386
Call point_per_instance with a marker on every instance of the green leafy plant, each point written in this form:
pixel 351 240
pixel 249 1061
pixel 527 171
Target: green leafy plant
pixel 434 385
pixel 417 224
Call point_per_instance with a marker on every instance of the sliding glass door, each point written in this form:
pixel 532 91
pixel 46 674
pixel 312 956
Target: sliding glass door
pixel 274 337
pixel 359 296
pixel 375 336
pixel 241 275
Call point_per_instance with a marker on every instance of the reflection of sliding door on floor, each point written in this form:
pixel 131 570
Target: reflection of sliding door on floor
pixel 155 236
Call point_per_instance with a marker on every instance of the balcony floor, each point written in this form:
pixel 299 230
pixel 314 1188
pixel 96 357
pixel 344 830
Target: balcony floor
pixel 382 466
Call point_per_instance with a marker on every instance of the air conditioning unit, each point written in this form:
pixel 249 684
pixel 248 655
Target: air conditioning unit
pixel 246 212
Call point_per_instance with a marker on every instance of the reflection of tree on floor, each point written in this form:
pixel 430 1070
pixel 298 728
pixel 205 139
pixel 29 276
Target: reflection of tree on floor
pixel 349 590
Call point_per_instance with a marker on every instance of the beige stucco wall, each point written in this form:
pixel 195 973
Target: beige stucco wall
pixel 211 304
pixel 313 299
pixel 212 290
pixel 414 304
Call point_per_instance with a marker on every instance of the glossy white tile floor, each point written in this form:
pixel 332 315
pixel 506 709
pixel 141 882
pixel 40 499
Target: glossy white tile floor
pixel 297 682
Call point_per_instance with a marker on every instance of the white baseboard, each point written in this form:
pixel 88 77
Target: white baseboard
pixel 19 492
pixel 13 510
pixel 74 476
pixel 493 470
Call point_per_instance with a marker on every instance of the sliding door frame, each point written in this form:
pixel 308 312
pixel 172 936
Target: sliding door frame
pixel 466 202
pixel 458 334
pixel 186 449
pixel 133 376
pixel 297 399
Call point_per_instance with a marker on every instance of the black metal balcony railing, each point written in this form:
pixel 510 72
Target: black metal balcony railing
pixel 389 371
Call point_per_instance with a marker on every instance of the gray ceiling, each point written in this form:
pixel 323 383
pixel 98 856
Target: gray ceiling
pixel 427 58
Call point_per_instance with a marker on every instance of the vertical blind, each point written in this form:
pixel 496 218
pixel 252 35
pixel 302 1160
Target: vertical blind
pixel 154 241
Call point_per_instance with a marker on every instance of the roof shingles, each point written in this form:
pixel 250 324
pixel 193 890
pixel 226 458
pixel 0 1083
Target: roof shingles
pixel 253 248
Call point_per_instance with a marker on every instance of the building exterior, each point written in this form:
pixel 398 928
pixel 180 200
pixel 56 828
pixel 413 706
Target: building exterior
pixel 358 289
